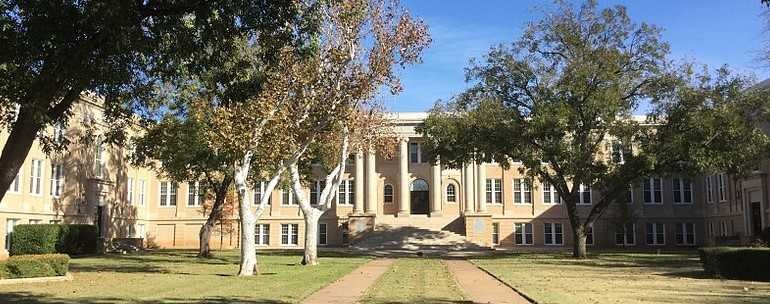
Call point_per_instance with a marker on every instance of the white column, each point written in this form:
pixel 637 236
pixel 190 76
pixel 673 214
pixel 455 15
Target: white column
pixel 372 183
pixel 481 184
pixel 358 205
pixel 436 190
pixel 468 188
pixel 403 177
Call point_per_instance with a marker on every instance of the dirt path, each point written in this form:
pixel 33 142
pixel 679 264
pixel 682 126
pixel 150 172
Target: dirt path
pixel 480 287
pixel 352 286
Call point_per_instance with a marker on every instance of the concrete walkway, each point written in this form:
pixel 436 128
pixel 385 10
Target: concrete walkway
pixel 352 286
pixel 480 287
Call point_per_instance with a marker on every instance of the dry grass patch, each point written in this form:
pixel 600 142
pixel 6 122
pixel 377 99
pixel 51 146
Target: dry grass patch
pixel 620 278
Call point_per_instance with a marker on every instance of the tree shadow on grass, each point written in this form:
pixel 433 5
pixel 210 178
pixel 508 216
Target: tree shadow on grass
pixel 121 268
pixel 32 298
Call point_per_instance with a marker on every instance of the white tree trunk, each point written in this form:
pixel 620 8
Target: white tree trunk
pixel 248 220
pixel 311 237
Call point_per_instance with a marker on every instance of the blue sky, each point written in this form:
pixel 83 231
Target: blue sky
pixel 712 32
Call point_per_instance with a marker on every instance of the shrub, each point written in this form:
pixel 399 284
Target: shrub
pixel 736 263
pixel 45 239
pixel 33 266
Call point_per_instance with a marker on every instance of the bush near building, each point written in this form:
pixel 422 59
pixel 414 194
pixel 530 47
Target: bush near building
pixel 53 238
pixel 33 266
pixel 737 263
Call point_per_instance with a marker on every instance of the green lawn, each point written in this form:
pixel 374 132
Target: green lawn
pixel 414 280
pixel 620 278
pixel 180 277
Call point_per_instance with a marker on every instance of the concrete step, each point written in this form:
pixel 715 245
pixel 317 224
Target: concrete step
pixel 408 237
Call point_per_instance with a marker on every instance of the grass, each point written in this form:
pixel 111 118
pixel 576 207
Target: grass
pixel 180 277
pixel 415 280
pixel 620 278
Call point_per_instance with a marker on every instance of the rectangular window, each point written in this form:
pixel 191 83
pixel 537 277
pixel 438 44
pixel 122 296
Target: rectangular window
pixel 168 193
pixel 656 234
pixel 36 177
pixel 522 191
pixel 494 191
pixel 142 191
pixel 417 154
pixel 130 191
pixel 496 233
pixel 262 232
pixel 99 168
pixel 388 194
pixel 58 133
pixel 685 234
pixel 287 197
pixel 523 233
pixel 16 184
pixel 346 194
pixel 57 179
pixel 653 192
pixel 630 194
pixel 196 194
pixel 259 191
pixel 550 196
pixel 589 235
pixel 316 189
pixel 617 152
pixel 682 188
pixel 626 235
pixel 9 224
pixel 554 235
pixel 323 234
pixel 722 178
pixel 585 195
pixel 289 233
pixel 709 190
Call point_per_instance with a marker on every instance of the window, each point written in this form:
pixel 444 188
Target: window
pixel 523 233
pixel 494 193
pixel 585 195
pixel 35 177
pixel 57 179
pixel 323 234
pixel 130 190
pixel 9 224
pixel 140 231
pixel 99 168
pixel 522 191
pixel 711 228
pixel 653 194
pixel 287 197
pixel 630 194
pixel 550 196
pixel 142 191
pixel 58 133
pixel 723 228
pixel 451 193
pixel 315 191
pixel 262 234
pixel 589 235
pixel 35 221
pixel 709 190
pixel 196 194
pixel 722 178
pixel 554 235
pixel 168 193
pixel 618 153
pixel 388 194
pixel 656 234
pixel 16 184
pixel 682 191
pixel 626 235
pixel 346 194
pixel 259 191
pixel 289 234
pixel 685 234
pixel 417 154
pixel 496 233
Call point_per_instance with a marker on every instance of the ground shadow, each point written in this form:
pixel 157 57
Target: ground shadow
pixel 33 298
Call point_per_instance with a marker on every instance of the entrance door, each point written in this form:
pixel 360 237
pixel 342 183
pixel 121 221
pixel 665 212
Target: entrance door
pixel 756 219
pixel 419 197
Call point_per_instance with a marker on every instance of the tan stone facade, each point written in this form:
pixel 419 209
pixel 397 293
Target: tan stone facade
pixel 492 206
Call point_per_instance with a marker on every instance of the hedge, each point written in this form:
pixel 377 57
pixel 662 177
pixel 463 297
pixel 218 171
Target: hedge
pixel 53 238
pixel 736 263
pixel 33 266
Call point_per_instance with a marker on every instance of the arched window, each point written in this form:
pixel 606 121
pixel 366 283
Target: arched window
pixel 419 185
pixel 388 194
pixel 451 193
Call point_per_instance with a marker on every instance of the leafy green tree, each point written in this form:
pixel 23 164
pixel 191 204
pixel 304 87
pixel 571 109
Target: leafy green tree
pixel 176 147
pixel 560 101
pixel 51 52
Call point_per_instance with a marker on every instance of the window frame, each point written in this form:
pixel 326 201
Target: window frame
pixel 550 192
pixel 625 235
pixel 289 232
pixel 496 233
pixel 323 234
pixel 262 234
pixel 57 179
pixel 683 232
pixel 450 197
pixel 653 192
pixel 522 196
pixel 655 233
pixel 387 198
pixel 36 177
pixel 682 187
pixel 553 238
pixel 523 234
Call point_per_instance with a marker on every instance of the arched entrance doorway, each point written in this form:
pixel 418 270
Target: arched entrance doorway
pixel 419 197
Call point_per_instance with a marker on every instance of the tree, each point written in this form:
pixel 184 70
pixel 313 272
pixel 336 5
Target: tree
pixel 53 51
pixel 176 147
pixel 560 101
